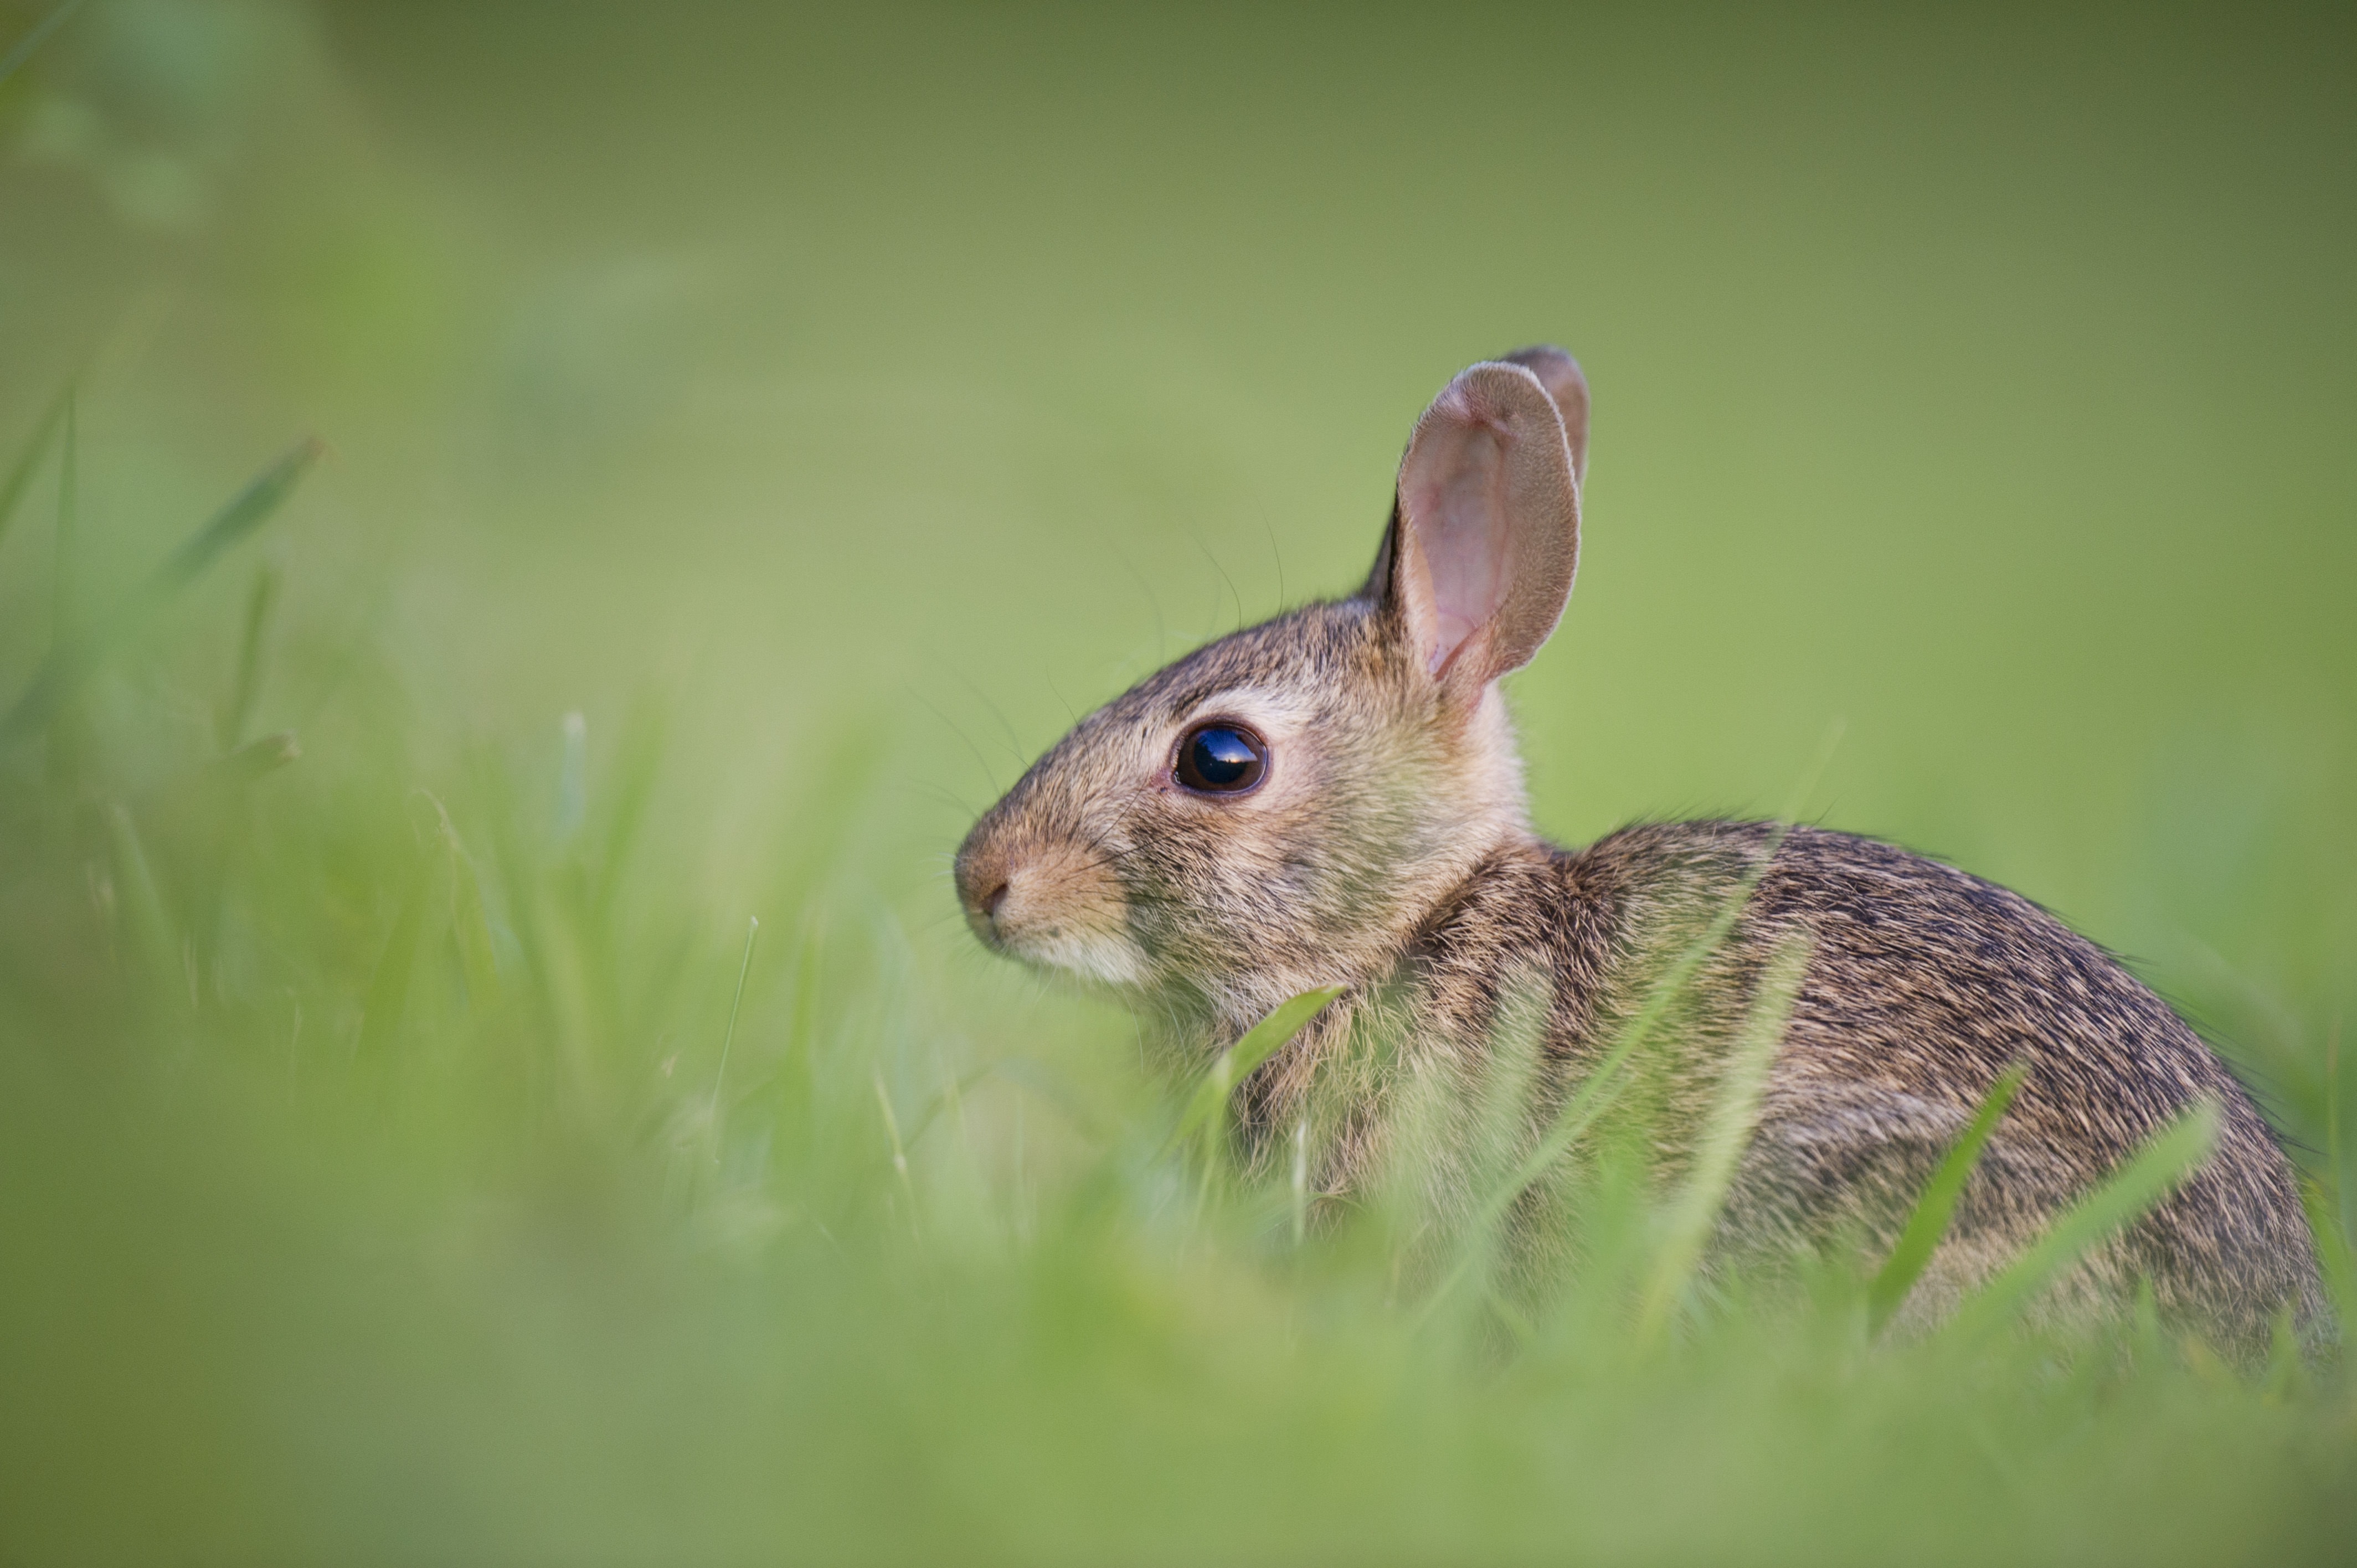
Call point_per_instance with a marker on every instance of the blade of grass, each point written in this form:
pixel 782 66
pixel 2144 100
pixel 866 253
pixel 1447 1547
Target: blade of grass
pixel 1298 1189
pixel 637 754
pixel 230 721
pixel 265 754
pixel 65 600
pixel 28 461
pixel 2332 1129
pixel 1725 1137
pixel 950 1096
pixel 796 1081
pixel 899 1155
pixel 573 777
pixel 246 510
pixel 470 924
pixel 2287 1369
pixel 1514 1076
pixel 152 928
pixel 68 736
pixel 73 656
pixel 1929 1223
pixel 388 991
pixel 1236 1064
pixel 736 1005
pixel 2163 1161
pixel 14 61
pixel 2335 1258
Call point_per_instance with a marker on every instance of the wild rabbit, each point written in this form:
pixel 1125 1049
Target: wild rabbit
pixel 1334 797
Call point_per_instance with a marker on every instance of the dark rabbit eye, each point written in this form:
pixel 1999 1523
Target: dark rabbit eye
pixel 1221 759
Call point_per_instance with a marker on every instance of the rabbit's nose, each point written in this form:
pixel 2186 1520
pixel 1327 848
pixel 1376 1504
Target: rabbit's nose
pixel 983 873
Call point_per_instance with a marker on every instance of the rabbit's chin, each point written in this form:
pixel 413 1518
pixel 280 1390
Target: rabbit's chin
pixel 1092 961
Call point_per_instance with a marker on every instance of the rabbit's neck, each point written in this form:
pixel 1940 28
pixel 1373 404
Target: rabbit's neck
pixel 1487 948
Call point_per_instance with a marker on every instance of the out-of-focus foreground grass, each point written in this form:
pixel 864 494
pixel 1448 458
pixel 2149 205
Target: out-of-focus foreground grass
pixel 748 431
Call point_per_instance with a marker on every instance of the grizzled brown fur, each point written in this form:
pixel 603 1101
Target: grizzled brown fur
pixel 1388 848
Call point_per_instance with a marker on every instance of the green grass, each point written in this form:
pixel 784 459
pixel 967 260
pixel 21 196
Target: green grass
pixel 747 443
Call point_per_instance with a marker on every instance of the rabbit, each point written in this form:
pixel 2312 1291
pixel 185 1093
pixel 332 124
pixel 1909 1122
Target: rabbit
pixel 1334 797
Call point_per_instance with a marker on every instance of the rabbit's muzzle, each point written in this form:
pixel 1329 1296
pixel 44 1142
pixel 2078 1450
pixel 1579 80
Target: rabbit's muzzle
pixel 1047 901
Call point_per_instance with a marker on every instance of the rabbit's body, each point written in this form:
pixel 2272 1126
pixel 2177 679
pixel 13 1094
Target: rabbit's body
pixel 1334 797
pixel 1922 985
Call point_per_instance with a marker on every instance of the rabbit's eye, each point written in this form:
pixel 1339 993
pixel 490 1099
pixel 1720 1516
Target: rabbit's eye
pixel 1221 758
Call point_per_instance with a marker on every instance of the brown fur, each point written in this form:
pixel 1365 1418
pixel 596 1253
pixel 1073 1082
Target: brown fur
pixel 1389 849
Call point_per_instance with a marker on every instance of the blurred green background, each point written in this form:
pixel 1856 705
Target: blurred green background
pixel 826 405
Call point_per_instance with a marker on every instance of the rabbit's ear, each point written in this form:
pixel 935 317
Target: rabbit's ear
pixel 1484 538
pixel 1559 373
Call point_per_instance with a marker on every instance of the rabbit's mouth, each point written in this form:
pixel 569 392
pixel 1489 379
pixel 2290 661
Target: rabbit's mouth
pixel 1112 962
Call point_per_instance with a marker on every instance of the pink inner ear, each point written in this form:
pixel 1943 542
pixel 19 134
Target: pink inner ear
pixel 1457 495
pixel 1488 540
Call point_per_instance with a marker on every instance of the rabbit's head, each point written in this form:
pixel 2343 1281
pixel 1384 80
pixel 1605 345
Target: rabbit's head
pixel 1285 807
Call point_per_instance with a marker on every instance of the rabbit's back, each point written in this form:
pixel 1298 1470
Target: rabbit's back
pixel 1922 983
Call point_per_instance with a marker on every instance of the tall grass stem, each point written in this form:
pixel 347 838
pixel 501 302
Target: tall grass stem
pixel 2155 1170
pixel 1735 1115
pixel 727 1039
pixel 1928 1223
pixel 23 47
pixel 28 461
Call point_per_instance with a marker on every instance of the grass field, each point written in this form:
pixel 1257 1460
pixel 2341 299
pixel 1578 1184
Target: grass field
pixel 748 437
